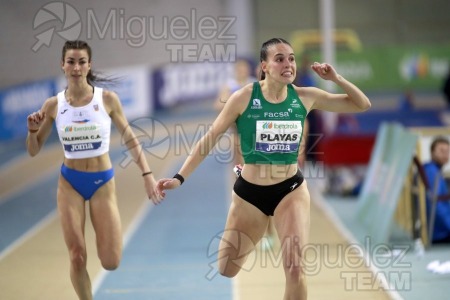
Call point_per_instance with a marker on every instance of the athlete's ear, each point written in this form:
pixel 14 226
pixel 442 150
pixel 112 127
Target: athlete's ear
pixel 264 66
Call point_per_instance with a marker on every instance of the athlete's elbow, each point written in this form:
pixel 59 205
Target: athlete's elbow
pixel 364 105
pixel 367 106
pixel 33 153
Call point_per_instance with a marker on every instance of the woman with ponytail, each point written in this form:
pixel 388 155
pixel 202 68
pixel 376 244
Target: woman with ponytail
pixel 83 113
pixel 269 116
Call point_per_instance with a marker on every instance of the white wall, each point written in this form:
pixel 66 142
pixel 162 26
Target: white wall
pixel 19 63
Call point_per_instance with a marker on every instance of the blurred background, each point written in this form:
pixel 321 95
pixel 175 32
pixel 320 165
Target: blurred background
pixel 172 58
pixel 172 53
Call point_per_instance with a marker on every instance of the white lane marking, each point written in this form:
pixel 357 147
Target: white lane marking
pixel 137 221
pixel 29 234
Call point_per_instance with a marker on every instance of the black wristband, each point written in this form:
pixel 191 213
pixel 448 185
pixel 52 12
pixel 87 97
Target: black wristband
pixel 147 173
pixel 179 177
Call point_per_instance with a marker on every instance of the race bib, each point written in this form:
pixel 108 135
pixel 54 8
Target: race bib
pixel 81 137
pixel 278 136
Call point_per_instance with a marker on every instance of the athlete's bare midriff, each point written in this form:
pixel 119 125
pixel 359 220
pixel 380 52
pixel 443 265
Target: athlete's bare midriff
pixel 91 164
pixel 265 174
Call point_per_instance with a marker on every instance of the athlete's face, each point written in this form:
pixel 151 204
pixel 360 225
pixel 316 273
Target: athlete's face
pixel 76 64
pixel 280 64
pixel 441 153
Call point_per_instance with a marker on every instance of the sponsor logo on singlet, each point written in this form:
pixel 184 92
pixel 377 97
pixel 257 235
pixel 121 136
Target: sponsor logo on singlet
pixel 278 136
pixel 281 114
pixel 295 103
pixel 80 117
pixel 256 104
pixel 81 137
pixel 253 116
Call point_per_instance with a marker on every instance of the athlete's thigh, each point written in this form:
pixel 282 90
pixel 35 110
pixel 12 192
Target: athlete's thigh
pixel 106 218
pixel 71 209
pixel 245 226
pixel 292 217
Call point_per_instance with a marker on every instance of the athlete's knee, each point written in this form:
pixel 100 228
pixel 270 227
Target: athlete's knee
pixel 78 257
pixel 294 268
pixel 228 269
pixel 293 264
pixel 229 264
pixel 110 266
pixel 295 272
pixel 111 261
pixel 110 256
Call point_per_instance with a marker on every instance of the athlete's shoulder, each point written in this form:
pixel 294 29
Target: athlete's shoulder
pixel 309 94
pixel 111 102
pixel 244 92
pixel 50 103
pixel 50 106
pixel 110 97
pixel 248 88
pixel 109 94
pixel 239 100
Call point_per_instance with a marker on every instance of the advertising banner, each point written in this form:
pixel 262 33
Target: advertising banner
pixel 17 102
pixel 391 156
pixel 391 68
pixel 181 83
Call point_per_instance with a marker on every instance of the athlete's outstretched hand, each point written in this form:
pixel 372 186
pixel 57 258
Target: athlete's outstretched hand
pixel 325 71
pixel 150 187
pixel 166 184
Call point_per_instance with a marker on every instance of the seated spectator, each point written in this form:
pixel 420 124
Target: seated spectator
pixel 433 171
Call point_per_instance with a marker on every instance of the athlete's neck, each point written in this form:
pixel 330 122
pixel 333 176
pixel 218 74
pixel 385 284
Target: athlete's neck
pixel 79 90
pixel 79 93
pixel 274 91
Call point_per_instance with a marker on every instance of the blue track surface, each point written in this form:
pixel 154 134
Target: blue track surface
pixel 23 210
pixel 169 255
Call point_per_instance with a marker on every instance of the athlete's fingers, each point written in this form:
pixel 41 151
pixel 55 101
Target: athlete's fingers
pixel 160 186
pixel 155 199
pixel 155 196
pixel 158 198
pixel 41 115
pixel 172 183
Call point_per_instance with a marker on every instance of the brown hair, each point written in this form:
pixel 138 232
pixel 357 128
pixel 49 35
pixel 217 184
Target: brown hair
pixel 438 140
